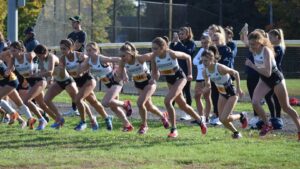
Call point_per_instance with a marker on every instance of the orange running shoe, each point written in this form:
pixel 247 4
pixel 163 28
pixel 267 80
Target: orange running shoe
pixel 31 122
pixel 13 118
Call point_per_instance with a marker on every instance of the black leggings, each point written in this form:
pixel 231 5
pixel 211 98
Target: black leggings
pixel 187 93
pixel 215 97
pixel 273 104
pixel 251 84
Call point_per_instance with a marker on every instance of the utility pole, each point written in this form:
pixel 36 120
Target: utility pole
pixel 78 7
pixel 220 12
pixel 114 21
pixel 139 21
pixel 92 20
pixel 12 18
pixel 170 18
pixel 271 13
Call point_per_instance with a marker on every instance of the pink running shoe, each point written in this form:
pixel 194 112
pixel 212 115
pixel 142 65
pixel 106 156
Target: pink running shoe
pixel 143 129
pixel 244 120
pixel 203 127
pixel 165 120
pixel 127 107
pixel 128 128
pixel 173 133
pixel 265 130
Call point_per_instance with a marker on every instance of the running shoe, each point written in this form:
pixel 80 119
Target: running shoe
pixel 277 123
pixel 186 117
pixel 253 121
pixel 55 125
pixel 128 108
pixel 173 133
pixel 265 130
pixel 58 123
pixel 143 129
pixel 6 119
pixel 23 124
pixel 81 126
pixel 165 120
pixel 94 124
pixel 13 118
pixel 31 122
pixel 203 127
pixel 108 122
pixel 215 121
pixel 128 128
pixel 244 120
pixel 42 124
pixel 71 113
pixel 236 135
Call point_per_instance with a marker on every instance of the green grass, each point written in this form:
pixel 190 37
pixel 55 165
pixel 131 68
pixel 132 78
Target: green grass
pixel 67 148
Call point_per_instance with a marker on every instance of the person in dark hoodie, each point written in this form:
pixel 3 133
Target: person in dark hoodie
pixel 184 42
pixel 30 41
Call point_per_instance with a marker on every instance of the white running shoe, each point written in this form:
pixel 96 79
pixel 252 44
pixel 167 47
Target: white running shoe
pixel 253 121
pixel 71 113
pixel 186 117
pixel 215 121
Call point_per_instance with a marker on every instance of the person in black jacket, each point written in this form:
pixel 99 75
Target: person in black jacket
pixel 184 42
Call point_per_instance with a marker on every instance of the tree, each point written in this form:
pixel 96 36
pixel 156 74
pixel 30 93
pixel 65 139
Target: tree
pixel 3 14
pixel 285 15
pixel 101 20
pixel 28 15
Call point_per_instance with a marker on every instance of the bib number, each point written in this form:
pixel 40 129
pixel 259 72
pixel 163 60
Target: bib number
pixel 73 74
pixel 167 72
pixel 105 80
pixel 221 89
pixel 140 78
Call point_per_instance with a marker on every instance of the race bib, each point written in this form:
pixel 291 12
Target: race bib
pixel 167 72
pixel 12 76
pixel 105 80
pixel 140 78
pixel 26 75
pixel 221 89
pixel 73 74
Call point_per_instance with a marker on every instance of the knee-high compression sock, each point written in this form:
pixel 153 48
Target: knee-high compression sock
pixel 24 109
pixel 5 105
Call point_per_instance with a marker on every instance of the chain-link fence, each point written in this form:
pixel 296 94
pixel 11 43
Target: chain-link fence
pixel 117 21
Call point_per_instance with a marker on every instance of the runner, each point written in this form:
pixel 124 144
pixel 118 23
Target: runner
pixel 164 60
pixel 136 66
pixel 270 78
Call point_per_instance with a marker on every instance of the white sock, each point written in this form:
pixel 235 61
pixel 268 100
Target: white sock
pixel 24 109
pixel 5 105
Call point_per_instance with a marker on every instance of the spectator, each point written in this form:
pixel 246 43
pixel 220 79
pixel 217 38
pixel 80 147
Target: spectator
pixel 78 35
pixel 30 42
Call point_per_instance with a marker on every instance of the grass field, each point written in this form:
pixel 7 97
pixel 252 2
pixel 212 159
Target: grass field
pixel 67 148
